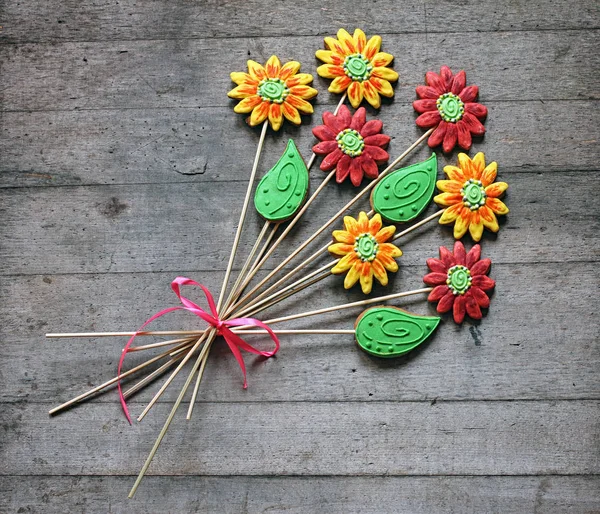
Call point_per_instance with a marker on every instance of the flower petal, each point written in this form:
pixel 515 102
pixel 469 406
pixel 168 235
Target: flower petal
pixel 462 223
pixel 290 68
pixel 376 153
pixel 388 262
pixel 291 113
pixel 435 81
pixel 389 250
pixel 366 278
pixel 358 119
pixel 484 282
pixel 438 292
pixel 360 40
pixel 496 189
pixel 464 136
pixel 497 206
pixel 450 214
pixel 324 147
pixel 346 41
pixel 460 256
pixel 446 302
pixel 437 136
pixel 305 92
pixel 466 165
pixel 435 279
pixel 448 199
pixel 355 93
pixel 449 186
pixel 375 224
pixel 369 166
pixel 381 140
pixel 480 297
pixel 468 94
pixel 242 91
pixel 455 173
pixel 477 110
pixel 324 133
pixel 381 59
pixel 429 119
pixel 437 266
pixel 427 92
pixel 459 82
pixel 340 249
pixel 239 77
pixel 446 74
pixel 330 71
pixel 302 105
pixel 473 256
pixel 382 86
pixel 257 72
pixel 334 122
pixel 343 168
pixel 343 236
pixel 331 160
pixel 371 95
pixel 481 267
pixel 476 229
pixel 356 172
pixel 425 105
pixel 379 272
pixel 329 57
pixel 385 73
pixel 345 263
pixel 458 311
pixel 473 124
pixel 351 225
pixel 372 47
pixel 339 84
pixel 450 138
pixel 344 116
pixel 334 45
pixel 259 114
pixel 385 234
pixel 273 67
pixel 489 173
pixel 275 116
pixel 489 219
pixel 247 104
pixel 363 222
pixel 353 275
pixel 371 128
pixel 473 309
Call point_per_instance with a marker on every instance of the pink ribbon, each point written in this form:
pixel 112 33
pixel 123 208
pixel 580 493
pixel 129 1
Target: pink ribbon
pixel 234 341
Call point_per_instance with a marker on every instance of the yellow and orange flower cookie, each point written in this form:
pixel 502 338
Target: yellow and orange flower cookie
pixel 273 92
pixel 357 66
pixel 365 252
pixel 471 196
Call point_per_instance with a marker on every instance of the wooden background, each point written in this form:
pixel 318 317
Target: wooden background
pixel 123 165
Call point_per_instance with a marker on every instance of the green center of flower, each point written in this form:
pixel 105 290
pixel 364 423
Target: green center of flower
pixel 366 247
pixel 350 142
pixel 473 194
pixel 459 279
pixel 273 90
pixel 357 67
pixel 451 107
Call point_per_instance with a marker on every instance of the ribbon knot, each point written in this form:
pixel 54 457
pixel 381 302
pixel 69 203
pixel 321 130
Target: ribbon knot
pixel 234 341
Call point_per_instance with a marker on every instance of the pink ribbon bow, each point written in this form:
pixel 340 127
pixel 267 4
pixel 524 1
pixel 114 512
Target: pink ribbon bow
pixel 234 341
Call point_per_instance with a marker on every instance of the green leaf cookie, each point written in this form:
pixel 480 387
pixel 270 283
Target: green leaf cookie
pixel 282 191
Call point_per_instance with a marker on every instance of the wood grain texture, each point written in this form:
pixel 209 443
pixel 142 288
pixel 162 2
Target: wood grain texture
pixel 336 495
pixel 123 165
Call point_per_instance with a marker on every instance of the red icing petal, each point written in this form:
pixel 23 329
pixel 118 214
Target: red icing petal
pixel 464 135
pixel 333 122
pixel 359 119
pixel 437 266
pixel 468 94
pixel 480 297
pixel 473 309
pixel 473 256
pixel 459 253
pixel 481 267
pixel 446 302
pixel 324 133
pixel 344 116
pixel 377 140
pixel 477 110
pixel 369 166
pixel 450 138
pixel 437 136
pixel 376 153
pixel 426 105
pixel 484 282
pixel 356 173
pixel 325 147
pixel 435 279
pixel 473 124
pixel 429 119
pixel 331 160
pixel 438 293
pixel 459 82
pixel 446 75
pixel 371 128
pixel 343 168
pixel 459 309
pixel 427 92
pixel 447 257
pixel 435 81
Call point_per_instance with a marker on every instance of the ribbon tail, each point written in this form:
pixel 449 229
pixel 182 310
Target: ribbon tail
pixel 230 339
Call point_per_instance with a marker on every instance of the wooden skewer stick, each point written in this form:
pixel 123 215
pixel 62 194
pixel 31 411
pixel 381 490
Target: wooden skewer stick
pixel 159 345
pixel 302 331
pixel 142 383
pixel 108 383
pixel 337 215
pixel 203 360
pixel 419 224
pixel 167 422
pixel 129 334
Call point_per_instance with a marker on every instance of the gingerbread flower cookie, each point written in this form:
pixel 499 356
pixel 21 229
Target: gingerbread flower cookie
pixel 353 144
pixel 460 281
pixel 365 251
pixel 448 104
pixel 358 67
pixel 274 92
pixel 472 196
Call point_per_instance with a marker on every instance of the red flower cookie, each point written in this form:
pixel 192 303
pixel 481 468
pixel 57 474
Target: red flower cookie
pixel 449 105
pixel 460 281
pixel 352 144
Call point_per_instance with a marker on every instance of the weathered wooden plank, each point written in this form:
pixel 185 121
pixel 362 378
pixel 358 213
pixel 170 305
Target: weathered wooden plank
pixel 385 494
pixel 306 438
pixel 170 227
pixel 109 75
pixel 535 342
pixel 161 19
pixel 206 145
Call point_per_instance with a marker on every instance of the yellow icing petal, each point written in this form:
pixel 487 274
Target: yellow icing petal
pixel 289 69
pixel 305 92
pixel 351 225
pixel 327 56
pixel 302 105
pixel 259 114
pixel 340 249
pixel 449 186
pixel 366 280
pixel 450 214
pixel 346 40
pixel 275 117
pixel 448 199
pixel 360 40
pixel 256 70
pixel 466 165
pixel 385 233
pixel 496 189
pixel 372 47
pixel 247 104
pixel 379 272
pixel 300 79
pixel 273 67
pixel 353 275
pixel 489 174
pixel 343 236
pixel 345 263
pixel 242 91
pixel 291 113
pixel 334 45
pixel 382 86
pixel 498 206
pixel 330 71
pixel 363 222
pixel 371 95
pixel 479 164
pixel 489 221
pixel 390 250
pixel 375 224
pixel 476 230
pixel 339 84
pixel 382 59
pixel 355 94
pixel 455 173
pixel 385 73
pixel 462 224
pixel 239 77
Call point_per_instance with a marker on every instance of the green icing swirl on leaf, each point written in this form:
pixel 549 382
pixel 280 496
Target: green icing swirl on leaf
pixel 282 191
pixel 405 193
pixel 390 331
